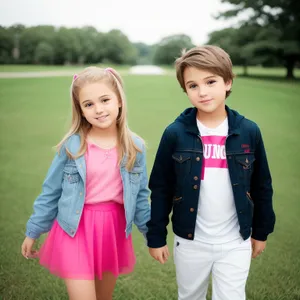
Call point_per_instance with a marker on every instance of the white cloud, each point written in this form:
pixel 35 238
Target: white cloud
pixel 145 21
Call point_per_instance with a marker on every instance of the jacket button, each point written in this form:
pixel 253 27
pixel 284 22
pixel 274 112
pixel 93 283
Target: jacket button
pixel 195 186
pixel 80 194
pixel 197 158
pixel 196 178
pixel 77 212
pixel 190 235
pixel 192 209
pixel 72 231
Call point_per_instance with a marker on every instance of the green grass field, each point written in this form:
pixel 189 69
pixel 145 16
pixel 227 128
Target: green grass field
pixel 34 116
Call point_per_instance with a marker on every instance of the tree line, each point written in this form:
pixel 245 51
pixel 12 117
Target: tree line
pixel 270 36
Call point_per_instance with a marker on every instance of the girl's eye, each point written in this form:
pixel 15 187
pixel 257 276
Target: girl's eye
pixel 105 100
pixel 211 82
pixel 192 86
pixel 88 104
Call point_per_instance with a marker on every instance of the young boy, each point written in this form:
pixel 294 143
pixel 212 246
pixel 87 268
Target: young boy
pixel 211 169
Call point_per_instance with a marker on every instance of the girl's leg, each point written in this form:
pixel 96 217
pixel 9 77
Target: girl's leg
pixel 81 289
pixel 105 287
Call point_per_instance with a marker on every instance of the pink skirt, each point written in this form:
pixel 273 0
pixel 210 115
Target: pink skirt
pixel 100 245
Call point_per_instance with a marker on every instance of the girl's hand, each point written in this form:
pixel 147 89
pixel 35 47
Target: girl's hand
pixel 26 248
pixel 160 254
pixel 258 247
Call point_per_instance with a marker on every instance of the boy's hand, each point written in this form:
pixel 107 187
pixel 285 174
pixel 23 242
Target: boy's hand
pixel 160 254
pixel 26 248
pixel 257 247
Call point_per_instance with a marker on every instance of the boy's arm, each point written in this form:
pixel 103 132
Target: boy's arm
pixel 45 205
pixel 261 193
pixel 162 181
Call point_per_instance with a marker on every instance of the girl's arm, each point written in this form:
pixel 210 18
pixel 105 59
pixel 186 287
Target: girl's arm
pixel 45 206
pixel 142 212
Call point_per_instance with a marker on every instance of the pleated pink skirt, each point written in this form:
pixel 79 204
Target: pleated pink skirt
pixel 100 245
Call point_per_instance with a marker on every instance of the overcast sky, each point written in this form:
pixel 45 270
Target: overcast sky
pixel 142 21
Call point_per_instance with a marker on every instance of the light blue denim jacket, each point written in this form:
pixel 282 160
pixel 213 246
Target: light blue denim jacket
pixel 63 193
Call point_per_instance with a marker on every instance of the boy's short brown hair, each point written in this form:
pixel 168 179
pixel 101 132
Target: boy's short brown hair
pixel 210 58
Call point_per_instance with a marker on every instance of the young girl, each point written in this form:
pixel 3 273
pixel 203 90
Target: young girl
pixel 95 189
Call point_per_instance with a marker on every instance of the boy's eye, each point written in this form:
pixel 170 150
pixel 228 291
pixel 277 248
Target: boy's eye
pixel 210 82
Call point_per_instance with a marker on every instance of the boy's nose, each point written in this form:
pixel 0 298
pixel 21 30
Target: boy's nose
pixel 202 91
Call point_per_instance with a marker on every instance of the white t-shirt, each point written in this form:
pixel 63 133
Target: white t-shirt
pixel 217 220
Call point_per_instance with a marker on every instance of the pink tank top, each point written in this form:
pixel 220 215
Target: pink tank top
pixel 103 178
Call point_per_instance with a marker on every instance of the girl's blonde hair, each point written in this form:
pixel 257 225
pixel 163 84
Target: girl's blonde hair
pixel 81 126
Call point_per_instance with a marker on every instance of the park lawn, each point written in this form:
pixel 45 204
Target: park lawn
pixel 34 116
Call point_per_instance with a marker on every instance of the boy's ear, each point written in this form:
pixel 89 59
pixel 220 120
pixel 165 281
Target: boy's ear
pixel 228 85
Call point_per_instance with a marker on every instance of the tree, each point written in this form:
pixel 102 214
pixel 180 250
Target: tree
pixel 169 48
pixel 66 45
pixel 30 38
pixel 44 54
pixel 275 15
pixel 89 52
pixel 117 48
pixel 6 45
pixel 251 44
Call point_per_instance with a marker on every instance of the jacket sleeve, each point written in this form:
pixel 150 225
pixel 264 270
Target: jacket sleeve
pixel 262 193
pixel 142 212
pixel 45 206
pixel 161 184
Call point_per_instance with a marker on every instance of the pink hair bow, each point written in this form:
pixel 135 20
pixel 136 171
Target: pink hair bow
pixel 111 70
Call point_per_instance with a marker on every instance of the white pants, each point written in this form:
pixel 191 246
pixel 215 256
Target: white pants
pixel 228 264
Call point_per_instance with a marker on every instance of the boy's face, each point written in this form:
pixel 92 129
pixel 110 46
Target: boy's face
pixel 206 91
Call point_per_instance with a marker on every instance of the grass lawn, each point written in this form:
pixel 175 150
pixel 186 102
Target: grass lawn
pixel 34 116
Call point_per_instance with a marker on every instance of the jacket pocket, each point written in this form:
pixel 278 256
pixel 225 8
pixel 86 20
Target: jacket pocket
pixel 182 163
pixel 245 165
pixel 250 203
pixel 177 199
pixel 246 161
pixel 71 174
pixel 135 178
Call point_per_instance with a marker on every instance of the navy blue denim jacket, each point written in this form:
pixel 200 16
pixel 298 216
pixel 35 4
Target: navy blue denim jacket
pixel 175 180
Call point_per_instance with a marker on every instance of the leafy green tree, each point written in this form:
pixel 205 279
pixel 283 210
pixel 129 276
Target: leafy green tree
pixel 276 16
pixel 44 54
pixel 169 48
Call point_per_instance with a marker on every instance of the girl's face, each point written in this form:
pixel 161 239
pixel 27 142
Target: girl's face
pixel 99 104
